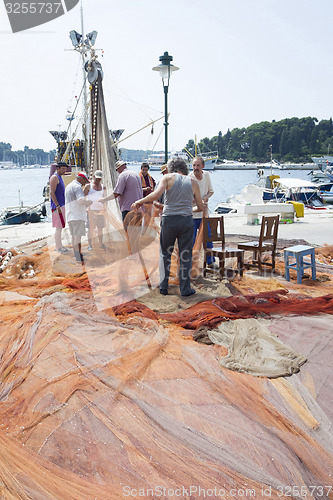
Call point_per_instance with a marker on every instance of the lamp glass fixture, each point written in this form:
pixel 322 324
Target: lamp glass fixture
pixel 165 71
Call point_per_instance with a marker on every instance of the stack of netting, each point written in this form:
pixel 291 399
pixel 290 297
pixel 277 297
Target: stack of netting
pixel 104 398
pixel 98 401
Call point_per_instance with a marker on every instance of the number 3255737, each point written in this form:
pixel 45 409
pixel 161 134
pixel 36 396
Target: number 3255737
pixel 33 8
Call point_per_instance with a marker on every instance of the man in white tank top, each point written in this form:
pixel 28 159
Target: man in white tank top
pixel 95 214
pixel 177 222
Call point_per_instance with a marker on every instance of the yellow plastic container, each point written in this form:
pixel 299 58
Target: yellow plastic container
pixel 298 207
pixel 272 179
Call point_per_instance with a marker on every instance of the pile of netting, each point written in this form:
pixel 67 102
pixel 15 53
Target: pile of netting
pixel 103 397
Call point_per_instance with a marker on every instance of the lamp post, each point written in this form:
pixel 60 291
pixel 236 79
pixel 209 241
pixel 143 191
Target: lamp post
pixel 165 69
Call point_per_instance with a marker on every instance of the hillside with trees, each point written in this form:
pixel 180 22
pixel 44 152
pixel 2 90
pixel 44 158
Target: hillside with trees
pixel 292 140
pixel 27 156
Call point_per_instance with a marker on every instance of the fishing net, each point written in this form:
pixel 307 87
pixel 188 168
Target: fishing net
pixel 104 397
pixel 98 405
pixel 104 153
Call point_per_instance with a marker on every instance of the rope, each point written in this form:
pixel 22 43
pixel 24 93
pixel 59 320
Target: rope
pixel 142 128
pixel 158 137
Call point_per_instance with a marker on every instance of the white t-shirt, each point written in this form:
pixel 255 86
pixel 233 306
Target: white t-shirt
pixel 205 185
pixel 74 210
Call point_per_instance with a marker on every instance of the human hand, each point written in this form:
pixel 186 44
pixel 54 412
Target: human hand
pixel 135 206
pixel 158 205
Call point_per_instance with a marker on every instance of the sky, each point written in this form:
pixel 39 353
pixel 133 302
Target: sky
pixel 241 62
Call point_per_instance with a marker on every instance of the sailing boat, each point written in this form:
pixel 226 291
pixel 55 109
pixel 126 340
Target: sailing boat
pixel 21 213
pixel 96 149
pixel 210 158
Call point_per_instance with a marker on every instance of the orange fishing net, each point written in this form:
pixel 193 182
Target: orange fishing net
pixel 102 398
pixel 222 309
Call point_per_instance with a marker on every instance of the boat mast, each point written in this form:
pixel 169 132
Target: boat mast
pixel 271 159
pixel 84 44
pixel 85 125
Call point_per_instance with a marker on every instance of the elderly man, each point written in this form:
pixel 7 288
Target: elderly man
pixel 128 188
pixel 57 194
pixel 177 222
pixel 206 191
pixel 76 211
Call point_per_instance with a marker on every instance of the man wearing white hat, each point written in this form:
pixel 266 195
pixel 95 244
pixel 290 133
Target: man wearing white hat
pixel 76 211
pixel 128 188
pixel 96 218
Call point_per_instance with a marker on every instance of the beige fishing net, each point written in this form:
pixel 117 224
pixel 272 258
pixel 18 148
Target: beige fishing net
pixel 106 393
pixel 95 405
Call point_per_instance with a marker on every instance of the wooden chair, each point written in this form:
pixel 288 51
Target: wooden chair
pixel 221 253
pixel 266 243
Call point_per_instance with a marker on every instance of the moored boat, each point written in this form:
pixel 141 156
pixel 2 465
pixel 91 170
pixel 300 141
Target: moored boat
pixel 322 162
pixel 327 196
pixel 23 214
pixel 293 189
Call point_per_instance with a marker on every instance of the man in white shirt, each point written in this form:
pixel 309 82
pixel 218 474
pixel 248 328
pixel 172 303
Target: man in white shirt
pixel 206 191
pixel 76 211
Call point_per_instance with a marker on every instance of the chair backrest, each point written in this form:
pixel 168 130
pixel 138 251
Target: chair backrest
pixel 269 230
pixel 215 229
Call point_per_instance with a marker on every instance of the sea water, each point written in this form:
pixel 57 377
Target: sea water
pixel 26 186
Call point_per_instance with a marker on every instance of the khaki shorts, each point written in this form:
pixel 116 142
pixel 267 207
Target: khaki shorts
pixel 96 219
pixel 77 227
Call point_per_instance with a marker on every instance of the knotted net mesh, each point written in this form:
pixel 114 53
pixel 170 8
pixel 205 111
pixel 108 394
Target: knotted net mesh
pixel 103 396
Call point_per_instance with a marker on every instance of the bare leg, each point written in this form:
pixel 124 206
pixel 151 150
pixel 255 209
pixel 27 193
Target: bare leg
pixel 57 237
pixel 100 235
pixel 76 243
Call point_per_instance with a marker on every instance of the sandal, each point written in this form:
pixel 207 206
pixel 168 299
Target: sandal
pixel 62 250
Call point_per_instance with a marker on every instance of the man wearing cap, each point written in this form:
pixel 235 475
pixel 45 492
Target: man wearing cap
pixel 95 212
pixel 76 211
pixel 164 169
pixel 128 188
pixel 57 194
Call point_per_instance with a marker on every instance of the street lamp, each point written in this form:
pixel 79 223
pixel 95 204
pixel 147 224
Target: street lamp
pixel 165 69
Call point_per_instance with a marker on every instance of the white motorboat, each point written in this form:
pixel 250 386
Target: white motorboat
pixel 157 159
pixel 327 196
pixel 321 162
pixel 231 165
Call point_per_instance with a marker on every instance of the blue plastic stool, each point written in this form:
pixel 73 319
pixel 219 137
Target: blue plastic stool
pixel 298 252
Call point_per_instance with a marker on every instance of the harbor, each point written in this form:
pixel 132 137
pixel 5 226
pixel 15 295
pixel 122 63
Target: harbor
pixel 123 373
